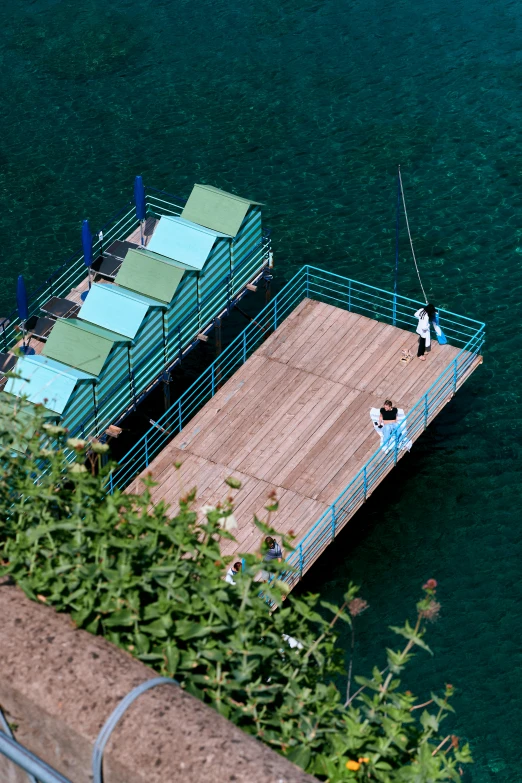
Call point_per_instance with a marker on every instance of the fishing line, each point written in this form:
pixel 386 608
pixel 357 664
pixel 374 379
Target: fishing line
pixel 409 236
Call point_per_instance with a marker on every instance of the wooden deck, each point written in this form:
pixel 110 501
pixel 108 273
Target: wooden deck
pixel 75 295
pixel 295 418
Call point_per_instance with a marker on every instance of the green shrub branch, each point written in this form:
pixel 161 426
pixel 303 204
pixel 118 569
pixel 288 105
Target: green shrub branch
pixel 152 583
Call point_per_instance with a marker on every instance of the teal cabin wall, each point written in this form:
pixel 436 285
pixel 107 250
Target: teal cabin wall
pixel 114 388
pixel 236 261
pixel 147 350
pixel 80 408
pixel 214 282
pixel 247 256
pixel 182 317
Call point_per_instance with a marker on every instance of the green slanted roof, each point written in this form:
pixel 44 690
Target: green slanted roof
pixel 146 274
pixel 165 259
pixel 81 344
pixel 216 209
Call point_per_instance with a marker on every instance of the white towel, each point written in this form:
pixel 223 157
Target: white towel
pixel 404 443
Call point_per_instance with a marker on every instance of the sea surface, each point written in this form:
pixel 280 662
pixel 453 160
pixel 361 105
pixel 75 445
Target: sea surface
pixel 308 106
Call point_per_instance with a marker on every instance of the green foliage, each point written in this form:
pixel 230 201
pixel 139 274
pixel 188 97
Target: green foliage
pixel 153 584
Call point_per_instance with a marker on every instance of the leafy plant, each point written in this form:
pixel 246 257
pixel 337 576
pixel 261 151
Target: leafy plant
pixel 153 584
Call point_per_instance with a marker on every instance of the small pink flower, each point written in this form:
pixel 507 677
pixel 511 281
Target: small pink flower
pixel 432 612
pixel 431 584
pixel 357 606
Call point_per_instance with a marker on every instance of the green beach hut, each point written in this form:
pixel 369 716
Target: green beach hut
pixel 65 392
pixel 239 218
pixel 103 355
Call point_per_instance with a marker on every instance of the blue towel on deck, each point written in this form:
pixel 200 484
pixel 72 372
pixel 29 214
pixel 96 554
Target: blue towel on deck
pixel 404 442
pixel 441 337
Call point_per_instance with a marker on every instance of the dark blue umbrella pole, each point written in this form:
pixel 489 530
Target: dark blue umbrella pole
pixel 87 254
pixel 22 305
pixel 139 201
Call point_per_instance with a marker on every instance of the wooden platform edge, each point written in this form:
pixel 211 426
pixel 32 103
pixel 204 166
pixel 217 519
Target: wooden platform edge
pixel 291 580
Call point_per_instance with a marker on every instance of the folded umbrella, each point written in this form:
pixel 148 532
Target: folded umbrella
pixel 22 304
pixel 87 253
pixel 139 201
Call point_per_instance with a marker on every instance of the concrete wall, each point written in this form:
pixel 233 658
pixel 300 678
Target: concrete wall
pixel 59 685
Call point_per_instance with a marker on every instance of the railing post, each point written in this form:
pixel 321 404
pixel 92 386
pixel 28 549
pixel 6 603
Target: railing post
pixel 244 347
pixel 146 443
pixel 333 521
pixel 300 561
pixel 396 446
pixel 212 375
pixel 349 296
pixel 426 410
pixel 307 283
pixel 111 483
pixel 179 415
pixel 455 376
pixel 365 483
pixel 275 313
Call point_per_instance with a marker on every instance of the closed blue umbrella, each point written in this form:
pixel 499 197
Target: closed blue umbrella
pixel 139 200
pixel 87 253
pixel 21 299
pixel 22 305
pixel 86 243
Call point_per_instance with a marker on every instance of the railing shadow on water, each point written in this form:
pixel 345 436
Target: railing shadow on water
pixel 379 304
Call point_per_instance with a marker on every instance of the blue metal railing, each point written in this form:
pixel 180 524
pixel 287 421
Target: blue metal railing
pixel 466 333
pixel 255 259
pixel 36 768
pixel 73 271
pixel 38 771
pixel 357 297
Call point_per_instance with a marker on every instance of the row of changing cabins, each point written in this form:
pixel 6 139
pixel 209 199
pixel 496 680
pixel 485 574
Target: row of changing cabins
pixel 94 366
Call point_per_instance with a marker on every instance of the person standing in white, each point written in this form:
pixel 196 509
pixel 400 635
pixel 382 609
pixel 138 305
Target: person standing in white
pixel 425 315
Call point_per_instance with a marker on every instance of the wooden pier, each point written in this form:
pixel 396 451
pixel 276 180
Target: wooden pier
pixel 295 418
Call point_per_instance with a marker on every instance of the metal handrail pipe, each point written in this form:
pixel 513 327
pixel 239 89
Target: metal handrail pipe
pixel 33 765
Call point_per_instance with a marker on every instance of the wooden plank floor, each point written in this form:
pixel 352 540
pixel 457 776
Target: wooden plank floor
pixel 295 419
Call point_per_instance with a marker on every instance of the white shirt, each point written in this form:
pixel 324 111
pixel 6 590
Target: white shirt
pixel 230 576
pixel 423 327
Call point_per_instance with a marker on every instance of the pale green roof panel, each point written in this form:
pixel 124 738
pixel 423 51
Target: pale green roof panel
pixel 146 274
pixel 81 345
pixel 216 209
pixel 100 331
pixel 166 260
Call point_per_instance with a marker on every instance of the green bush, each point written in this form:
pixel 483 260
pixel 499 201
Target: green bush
pixel 154 586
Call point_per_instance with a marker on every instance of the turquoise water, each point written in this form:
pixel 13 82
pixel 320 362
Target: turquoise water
pixel 308 106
